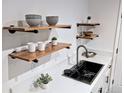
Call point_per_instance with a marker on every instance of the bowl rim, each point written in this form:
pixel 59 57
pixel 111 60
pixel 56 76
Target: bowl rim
pixel 32 15
pixel 33 19
pixel 52 16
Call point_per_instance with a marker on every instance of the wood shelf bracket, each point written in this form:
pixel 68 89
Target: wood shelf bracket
pixel 12 31
pixel 68 47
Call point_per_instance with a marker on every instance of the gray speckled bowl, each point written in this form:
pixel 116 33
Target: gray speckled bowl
pixel 33 19
pixel 52 20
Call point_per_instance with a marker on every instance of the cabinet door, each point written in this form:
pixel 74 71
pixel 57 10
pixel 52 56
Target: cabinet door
pixel 102 85
pixel 98 90
pixel 106 81
pixel 117 86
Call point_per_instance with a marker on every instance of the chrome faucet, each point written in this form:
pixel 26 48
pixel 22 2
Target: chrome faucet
pixel 86 53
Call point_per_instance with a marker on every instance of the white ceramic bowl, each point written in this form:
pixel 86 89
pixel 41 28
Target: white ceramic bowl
pixel 52 20
pixel 33 20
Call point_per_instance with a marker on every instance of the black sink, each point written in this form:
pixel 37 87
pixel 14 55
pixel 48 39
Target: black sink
pixel 85 71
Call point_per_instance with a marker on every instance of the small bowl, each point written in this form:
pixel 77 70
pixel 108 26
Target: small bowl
pixel 33 19
pixel 52 20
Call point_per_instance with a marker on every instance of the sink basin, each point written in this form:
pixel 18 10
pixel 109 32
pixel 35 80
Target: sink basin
pixel 85 71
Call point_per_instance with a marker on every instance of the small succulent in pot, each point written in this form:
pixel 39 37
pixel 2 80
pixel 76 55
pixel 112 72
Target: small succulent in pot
pixel 54 40
pixel 43 81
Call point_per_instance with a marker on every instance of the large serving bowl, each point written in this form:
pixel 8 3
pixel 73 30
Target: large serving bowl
pixel 33 19
pixel 52 20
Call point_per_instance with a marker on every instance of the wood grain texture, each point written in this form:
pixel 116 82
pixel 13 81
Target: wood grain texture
pixel 26 29
pixel 27 56
pixel 88 37
pixel 88 24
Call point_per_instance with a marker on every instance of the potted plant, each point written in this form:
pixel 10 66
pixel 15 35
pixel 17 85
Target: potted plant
pixel 54 41
pixel 43 81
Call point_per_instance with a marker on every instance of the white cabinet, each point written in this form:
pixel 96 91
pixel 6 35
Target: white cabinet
pixel 98 88
pixel 102 85
pixel 106 81
pixel 117 86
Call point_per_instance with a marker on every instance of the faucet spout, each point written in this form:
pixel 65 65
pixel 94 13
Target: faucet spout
pixel 86 54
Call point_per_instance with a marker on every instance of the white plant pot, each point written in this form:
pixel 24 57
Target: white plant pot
pixel 43 86
pixel 54 42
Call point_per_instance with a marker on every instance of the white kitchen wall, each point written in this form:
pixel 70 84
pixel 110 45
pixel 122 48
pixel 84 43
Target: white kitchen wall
pixel 69 12
pixel 105 12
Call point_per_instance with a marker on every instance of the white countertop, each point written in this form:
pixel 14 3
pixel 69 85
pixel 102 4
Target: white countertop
pixel 61 84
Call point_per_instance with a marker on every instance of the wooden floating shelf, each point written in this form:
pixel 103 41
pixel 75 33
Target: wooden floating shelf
pixel 88 37
pixel 27 56
pixel 35 29
pixel 88 24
